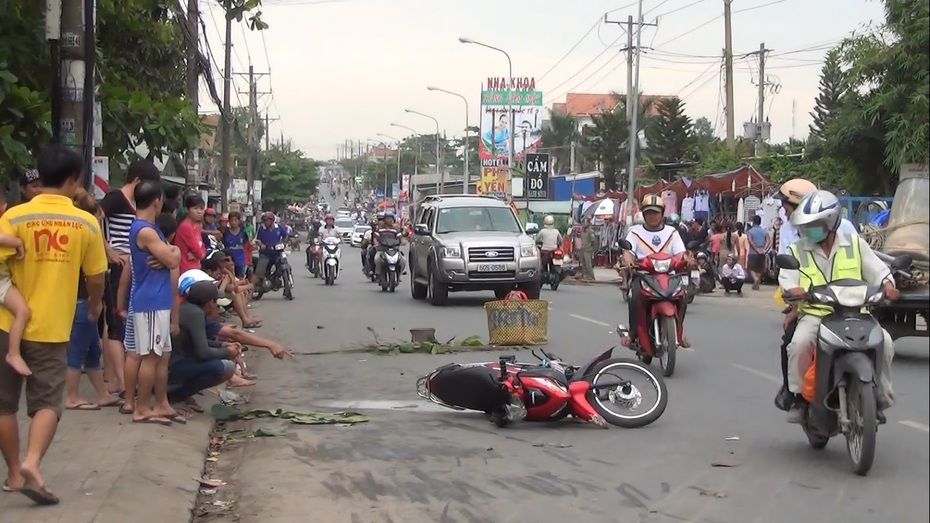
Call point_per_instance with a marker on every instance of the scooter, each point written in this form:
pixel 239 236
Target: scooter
pixel 313 257
pixel 847 366
pixel 332 259
pixel 553 273
pixel 664 291
pixel 390 267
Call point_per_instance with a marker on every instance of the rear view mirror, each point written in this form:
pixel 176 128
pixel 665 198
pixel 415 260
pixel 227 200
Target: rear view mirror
pixel 788 262
pixel 421 229
pixel 625 245
pixel 532 228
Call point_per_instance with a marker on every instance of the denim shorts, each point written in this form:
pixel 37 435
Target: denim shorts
pixel 84 346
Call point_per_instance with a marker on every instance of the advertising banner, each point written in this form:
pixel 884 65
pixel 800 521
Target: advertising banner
pixel 239 190
pixel 536 178
pixel 101 171
pixel 525 107
pixel 493 182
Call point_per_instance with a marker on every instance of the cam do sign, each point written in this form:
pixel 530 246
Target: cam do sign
pixel 493 182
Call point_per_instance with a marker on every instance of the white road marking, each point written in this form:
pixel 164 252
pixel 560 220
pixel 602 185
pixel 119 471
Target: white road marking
pixel 759 373
pixel 915 425
pixel 405 406
pixel 590 320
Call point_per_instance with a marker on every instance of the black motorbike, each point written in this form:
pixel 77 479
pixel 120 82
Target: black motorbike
pixel 389 251
pixel 278 276
pixel 553 271
pixel 848 366
pixel 313 256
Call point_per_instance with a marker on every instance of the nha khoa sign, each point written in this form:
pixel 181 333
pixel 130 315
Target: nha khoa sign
pixel 515 121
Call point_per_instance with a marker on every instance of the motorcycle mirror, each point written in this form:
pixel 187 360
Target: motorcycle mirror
pixel 625 245
pixel 621 330
pixel 901 262
pixel 788 262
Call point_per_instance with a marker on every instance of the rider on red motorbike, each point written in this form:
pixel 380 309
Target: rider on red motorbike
pixel 652 237
pixel 549 239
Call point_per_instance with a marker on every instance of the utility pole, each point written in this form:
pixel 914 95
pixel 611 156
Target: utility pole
pixel 74 92
pixel 193 86
pixel 53 36
pixel 728 74
pixel 252 163
pixel 227 117
pixel 267 131
pixel 759 117
pixel 632 90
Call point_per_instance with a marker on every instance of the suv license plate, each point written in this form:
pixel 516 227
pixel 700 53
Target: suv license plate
pixel 492 267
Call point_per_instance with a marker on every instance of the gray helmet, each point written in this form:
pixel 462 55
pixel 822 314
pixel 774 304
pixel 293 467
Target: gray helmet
pixel 818 207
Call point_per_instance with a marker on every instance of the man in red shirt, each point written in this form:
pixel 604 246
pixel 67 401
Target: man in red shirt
pixel 188 238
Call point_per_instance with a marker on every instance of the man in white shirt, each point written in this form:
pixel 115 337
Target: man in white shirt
pixel 652 237
pixel 732 275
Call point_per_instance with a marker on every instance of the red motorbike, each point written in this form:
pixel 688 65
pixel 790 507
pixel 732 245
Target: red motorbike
pixel 313 256
pixel 599 392
pixel 662 280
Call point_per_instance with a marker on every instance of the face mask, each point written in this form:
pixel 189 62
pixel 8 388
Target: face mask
pixel 815 234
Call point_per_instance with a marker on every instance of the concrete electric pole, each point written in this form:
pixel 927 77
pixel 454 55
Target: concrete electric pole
pixel 728 66
pixel 251 159
pixel 78 51
pixel 192 159
pixel 632 86
pixel 227 120
pixel 761 114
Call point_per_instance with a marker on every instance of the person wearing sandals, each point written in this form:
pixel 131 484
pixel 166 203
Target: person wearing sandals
pixel 84 349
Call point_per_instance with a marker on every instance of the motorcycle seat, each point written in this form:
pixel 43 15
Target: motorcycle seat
pixel 544 372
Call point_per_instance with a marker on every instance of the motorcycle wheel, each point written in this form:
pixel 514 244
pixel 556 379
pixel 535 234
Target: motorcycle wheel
pixel 863 427
pixel 668 341
pixel 554 282
pixel 816 441
pixel 392 281
pixel 257 295
pixel 288 280
pixel 608 409
pixel 625 293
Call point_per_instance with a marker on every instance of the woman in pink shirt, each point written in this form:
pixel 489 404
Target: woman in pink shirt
pixel 188 238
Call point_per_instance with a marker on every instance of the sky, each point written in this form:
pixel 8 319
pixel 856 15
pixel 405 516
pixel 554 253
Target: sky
pixel 346 69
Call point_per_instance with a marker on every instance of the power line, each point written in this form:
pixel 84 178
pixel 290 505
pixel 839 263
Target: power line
pixel 714 19
pixel 599 55
pixel 582 39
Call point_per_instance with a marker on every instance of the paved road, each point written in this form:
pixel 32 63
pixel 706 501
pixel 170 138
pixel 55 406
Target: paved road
pixel 415 464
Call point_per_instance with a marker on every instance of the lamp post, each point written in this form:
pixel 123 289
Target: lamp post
pixel 510 164
pixel 465 153
pixel 416 165
pixel 440 177
pixel 397 153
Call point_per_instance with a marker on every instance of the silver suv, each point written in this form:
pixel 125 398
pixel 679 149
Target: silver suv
pixel 466 242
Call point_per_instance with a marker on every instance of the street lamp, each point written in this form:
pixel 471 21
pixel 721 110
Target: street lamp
pixel 416 166
pixel 397 153
pixel 440 177
pixel 465 152
pixel 510 164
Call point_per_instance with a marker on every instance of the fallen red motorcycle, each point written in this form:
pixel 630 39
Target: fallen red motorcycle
pixel 599 392
pixel 662 280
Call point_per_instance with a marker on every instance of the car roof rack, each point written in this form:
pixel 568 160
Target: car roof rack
pixel 439 197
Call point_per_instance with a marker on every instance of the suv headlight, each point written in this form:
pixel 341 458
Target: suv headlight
pixel 528 251
pixel 450 252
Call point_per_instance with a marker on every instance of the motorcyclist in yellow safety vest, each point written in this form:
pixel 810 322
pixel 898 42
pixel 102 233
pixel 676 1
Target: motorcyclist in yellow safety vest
pixel 826 254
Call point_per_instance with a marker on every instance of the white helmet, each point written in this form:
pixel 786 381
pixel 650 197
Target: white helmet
pixel 548 220
pixel 818 207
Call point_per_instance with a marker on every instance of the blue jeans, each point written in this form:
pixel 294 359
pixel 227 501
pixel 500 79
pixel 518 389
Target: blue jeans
pixel 187 377
pixel 84 346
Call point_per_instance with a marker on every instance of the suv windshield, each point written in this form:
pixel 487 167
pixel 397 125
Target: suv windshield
pixel 468 219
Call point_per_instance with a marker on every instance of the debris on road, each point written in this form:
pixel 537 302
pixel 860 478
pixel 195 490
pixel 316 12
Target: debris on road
pixel 226 413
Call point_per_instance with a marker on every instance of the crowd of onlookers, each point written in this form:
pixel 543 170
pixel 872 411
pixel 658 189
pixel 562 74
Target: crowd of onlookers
pixel 130 292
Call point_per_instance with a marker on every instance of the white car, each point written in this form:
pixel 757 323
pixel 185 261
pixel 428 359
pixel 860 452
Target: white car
pixel 357 234
pixel 346 226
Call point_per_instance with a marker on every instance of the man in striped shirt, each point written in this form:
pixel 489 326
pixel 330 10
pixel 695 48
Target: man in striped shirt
pixel 119 209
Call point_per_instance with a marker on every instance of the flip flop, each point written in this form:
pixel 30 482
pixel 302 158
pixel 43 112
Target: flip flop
pixel 40 495
pixel 253 325
pixel 7 488
pixel 84 405
pixel 154 420
pixel 177 418
pixel 125 410
pixel 113 403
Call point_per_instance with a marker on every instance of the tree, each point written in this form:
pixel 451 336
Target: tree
pixel 893 65
pixel 703 131
pixel 607 139
pixel 833 87
pixel 288 176
pixel 557 140
pixel 669 133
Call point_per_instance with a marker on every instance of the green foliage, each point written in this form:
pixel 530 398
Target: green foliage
pixel 670 132
pixel 288 177
pixel 833 88
pixel 557 140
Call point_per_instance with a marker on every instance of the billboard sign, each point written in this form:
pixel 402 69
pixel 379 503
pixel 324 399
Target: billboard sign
pixel 536 176
pixel 524 107
pixel 493 182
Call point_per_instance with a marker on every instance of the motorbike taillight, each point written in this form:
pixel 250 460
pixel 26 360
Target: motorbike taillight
pixel 558 253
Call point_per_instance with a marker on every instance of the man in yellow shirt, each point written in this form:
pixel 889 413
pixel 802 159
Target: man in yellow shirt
pixel 61 242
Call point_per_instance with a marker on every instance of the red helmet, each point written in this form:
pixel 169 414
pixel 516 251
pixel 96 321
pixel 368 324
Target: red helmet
pixel 328 217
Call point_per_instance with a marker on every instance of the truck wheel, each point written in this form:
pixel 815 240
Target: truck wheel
pixel 532 290
pixel 438 292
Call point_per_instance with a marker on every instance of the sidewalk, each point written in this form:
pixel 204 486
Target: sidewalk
pixel 107 470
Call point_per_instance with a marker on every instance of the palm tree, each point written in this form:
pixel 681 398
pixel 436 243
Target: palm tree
pixel 557 139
